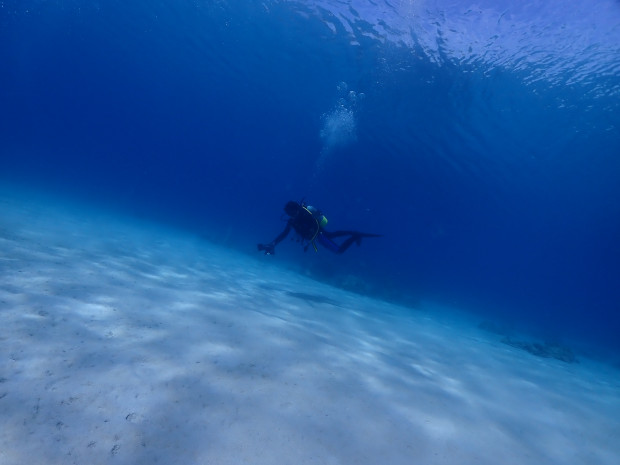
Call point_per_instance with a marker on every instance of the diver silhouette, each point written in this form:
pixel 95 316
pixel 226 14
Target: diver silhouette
pixel 309 224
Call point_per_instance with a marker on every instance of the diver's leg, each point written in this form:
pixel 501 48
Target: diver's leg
pixel 326 242
pixel 332 234
pixel 346 244
pixel 355 236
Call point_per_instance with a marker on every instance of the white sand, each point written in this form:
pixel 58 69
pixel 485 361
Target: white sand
pixel 128 344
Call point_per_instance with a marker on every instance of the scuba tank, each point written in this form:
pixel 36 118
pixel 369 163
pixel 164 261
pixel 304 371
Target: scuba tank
pixel 317 215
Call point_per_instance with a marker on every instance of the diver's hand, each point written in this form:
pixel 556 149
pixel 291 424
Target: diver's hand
pixel 268 248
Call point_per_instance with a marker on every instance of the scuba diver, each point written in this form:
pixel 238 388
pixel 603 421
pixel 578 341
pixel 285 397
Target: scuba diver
pixel 309 224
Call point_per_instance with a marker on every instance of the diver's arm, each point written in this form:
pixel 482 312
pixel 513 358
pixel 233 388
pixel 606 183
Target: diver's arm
pixel 270 248
pixel 282 235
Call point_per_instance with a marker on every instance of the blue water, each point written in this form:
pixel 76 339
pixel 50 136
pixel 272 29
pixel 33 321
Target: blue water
pixel 481 138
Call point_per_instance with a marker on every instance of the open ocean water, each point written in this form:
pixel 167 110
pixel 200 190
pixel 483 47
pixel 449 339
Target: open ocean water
pixel 482 139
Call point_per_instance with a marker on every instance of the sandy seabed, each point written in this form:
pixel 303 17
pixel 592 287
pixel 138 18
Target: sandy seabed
pixel 125 343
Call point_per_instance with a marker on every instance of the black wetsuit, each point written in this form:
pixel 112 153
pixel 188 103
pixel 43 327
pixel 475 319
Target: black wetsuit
pixel 309 230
